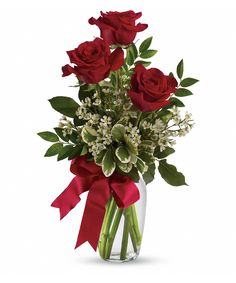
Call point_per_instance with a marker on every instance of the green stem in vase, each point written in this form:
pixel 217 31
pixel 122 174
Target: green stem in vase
pixel 125 237
pixel 135 224
pixel 102 234
pixel 110 212
pixel 133 234
pixel 112 234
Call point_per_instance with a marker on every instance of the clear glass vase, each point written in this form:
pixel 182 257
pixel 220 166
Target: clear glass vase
pixel 122 229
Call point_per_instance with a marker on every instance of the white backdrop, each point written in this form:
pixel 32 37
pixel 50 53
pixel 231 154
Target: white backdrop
pixel 190 233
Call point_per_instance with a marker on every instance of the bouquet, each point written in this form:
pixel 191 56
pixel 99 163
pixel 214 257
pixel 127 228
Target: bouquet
pixel 118 132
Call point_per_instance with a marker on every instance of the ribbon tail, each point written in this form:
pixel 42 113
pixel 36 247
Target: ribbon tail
pixel 69 198
pixel 94 212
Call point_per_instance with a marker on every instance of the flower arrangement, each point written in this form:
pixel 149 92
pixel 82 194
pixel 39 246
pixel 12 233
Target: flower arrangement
pixel 123 126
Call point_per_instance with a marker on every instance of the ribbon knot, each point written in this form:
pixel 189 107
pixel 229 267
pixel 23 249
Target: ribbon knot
pixel 89 177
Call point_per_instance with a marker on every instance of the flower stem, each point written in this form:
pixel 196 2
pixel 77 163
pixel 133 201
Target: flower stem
pixel 125 237
pixel 110 212
pixel 135 224
pixel 133 235
pixel 138 118
pixel 112 234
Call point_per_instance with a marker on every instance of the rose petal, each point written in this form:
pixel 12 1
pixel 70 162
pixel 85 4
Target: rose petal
pixel 108 36
pixel 140 27
pixel 67 70
pixel 143 105
pixel 99 22
pixel 125 36
pixel 171 81
pixel 139 68
pixel 116 59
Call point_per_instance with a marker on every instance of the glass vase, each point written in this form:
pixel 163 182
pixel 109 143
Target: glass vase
pixel 122 229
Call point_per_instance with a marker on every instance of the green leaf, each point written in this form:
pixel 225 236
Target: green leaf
pixel 188 82
pixel 65 152
pixel 84 150
pixel 78 122
pixel 134 50
pixel 99 157
pixel 163 154
pixel 108 163
pixel 133 158
pixel 130 146
pixel 133 174
pixel 142 167
pixel 88 134
pixel 124 167
pixel 148 53
pixel 113 78
pixel 53 149
pixel 180 69
pixel 74 137
pixel 175 101
pixel 129 57
pixel 118 132
pixel 170 174
pixel 144 63
pixel 122 154
pixel 146 156
pixel 59 132
pixel 149 175
pixel 145 44
pixel 162 113
pixel 180 92
pixel 171 74
pixel 165 118
pixel 48 136
pixel 86 91
pixel 75 152
pixel 147 146
pixel 64 105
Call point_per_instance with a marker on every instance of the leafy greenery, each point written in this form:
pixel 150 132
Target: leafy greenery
pixel 175 101
pixel 86 91
pixel 64 105
pixel 88 134
pixel 123 154
pixel 118 132
pixel 149 175
pixel 65 152
pixel 108 163
pixel 183 92
pixel 54 149
pixel 131 54
pixel 180 69
pixel 164 153
pixel 60 134
pixel 170 174
pixel 148 53
pixel 145 44
pixel 141 165
pixel 188 82
pixel 49 136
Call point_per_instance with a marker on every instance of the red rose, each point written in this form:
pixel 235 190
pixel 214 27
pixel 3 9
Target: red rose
pixel 151 88
pixel 118 28
pixel 93 61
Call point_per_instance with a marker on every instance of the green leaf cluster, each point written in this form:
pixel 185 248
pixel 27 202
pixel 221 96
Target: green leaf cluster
pixel 61 145
pixel 182 90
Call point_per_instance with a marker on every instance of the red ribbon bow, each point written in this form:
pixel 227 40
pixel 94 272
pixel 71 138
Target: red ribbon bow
pixel 89 177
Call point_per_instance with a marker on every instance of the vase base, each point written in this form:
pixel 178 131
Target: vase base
pixel 116 258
